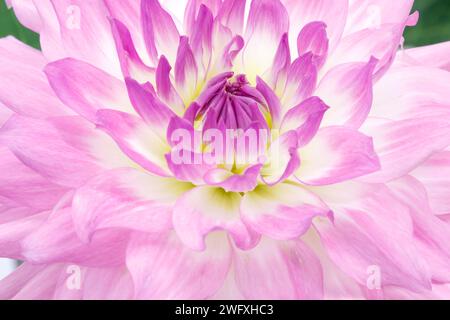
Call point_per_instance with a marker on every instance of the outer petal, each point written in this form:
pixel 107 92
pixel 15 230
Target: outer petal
pixel 58 155
pixel 205 209
pixel 164 268
pixel 367 233
pixel 86 34
pixel 336 154
pixel 433 174
pixel 84 88
pixel 30 95
pixel 347 89
pixel 127 199
pixel 313 38
pixel 436 56
pixel 26 12
pixel 279 270
pixel 136 139
pixel 404 145
pixel 281 212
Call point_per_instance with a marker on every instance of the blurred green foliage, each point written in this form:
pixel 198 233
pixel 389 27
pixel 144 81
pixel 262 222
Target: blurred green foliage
pixel 433 27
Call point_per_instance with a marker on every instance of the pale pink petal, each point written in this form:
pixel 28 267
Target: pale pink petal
pixel 367 235
pixel 30 95
pixel 433 175
pixel 278 270
pixel 230 182
pixel 207 209
pixel 231 14
pixel 26 12
pixel 165 88
pixel 56 241
pixel 85 89
pixel 282 212
pixel 60 155
pixel 347 89
pixel 125 199
pixel 164 268
pixel 186 71
pixel 86 33
pixel 436 56
pixel 336 154
pixel 403 145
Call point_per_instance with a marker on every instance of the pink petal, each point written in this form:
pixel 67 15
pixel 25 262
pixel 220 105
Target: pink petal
pixel 231 14
pixel 186 71
pixel 130 61
pixel 267 22
pixel 165 88
pixel 159 267
pixel 125 199
pixel 278 270
pixel 305 119
pixel 436 56
pixel 136 139
pixel 347 89
pixel 373 230
pixel 60 156
pixel 404 145
pixel 313 38
pixel 85 89
pixel 332 13
pixel 433 175
pixel 30 95
pixel 336 154
pixel 230 182
pixel 160 33
pixel 206 209
pixel 282 212
pixel 26 13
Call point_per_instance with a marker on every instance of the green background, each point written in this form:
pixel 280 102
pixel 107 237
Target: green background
pixel 433 27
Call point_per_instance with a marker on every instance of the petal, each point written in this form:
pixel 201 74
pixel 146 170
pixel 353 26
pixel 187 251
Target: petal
pixel 336 154
pixel 130 61
pixel 127 199
pixel 86 33
pixel 302 12
pixel 436 56
pixel 230 182
pixel 282 159
pixel 267 22
pixel 373 231
pixel 313 38
pixel 347 89
pixel 30 95
pixel 84 88
pixel 148 106
pixel 25 187
pixel 26 13
pixel 57 153
pixel 160 33
pixel 433 175
pixel 136 139
pixel 231 14
pixel 305 119
pixel 206 209
pixel 272 100
pixel 279 270
pixel 165 88
pixel 186 71
pixel 301 82
pixel 56 241
pixel 282 212
pixel 404 145
pixel 158 266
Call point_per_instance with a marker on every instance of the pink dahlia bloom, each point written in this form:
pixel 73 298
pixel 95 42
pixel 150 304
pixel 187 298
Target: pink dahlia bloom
pixel 129 167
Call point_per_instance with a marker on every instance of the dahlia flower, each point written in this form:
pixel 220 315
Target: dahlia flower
pixel 264 149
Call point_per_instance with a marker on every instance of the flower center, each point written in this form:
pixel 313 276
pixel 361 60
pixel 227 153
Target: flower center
pixel 229 102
